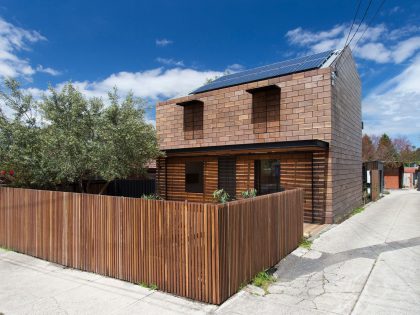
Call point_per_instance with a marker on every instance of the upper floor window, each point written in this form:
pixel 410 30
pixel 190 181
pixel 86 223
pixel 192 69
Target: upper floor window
pixel 193 119
pixel 265 108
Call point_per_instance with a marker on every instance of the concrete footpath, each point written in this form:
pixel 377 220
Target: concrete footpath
pixel 370 264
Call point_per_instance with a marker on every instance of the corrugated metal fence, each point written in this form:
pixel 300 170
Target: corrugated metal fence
pixel 201 251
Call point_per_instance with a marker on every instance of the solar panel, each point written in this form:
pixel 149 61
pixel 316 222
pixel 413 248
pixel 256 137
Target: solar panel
pixel 270 71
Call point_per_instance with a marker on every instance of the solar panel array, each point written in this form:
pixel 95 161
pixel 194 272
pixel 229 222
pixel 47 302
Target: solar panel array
pixel 269 71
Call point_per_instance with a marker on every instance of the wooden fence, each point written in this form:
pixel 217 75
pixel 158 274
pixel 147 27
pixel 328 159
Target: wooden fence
pixel 200 251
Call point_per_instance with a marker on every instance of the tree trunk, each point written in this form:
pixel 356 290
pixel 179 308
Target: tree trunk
pixel 104 187
pixel 81 185
pixel 87 186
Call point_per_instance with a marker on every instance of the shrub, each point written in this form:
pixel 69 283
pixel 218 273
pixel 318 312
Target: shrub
pixel 151 197
pixel 250 193
pixel 221 196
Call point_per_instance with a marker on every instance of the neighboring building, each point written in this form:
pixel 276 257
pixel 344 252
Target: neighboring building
pixel 373 180
pixel 393 177
pixel 409 177
pixel 292 124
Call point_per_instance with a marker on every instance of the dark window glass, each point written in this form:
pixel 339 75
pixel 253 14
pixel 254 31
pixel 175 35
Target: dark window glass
pixel 194 176
pixel 227 174
pixel 267 176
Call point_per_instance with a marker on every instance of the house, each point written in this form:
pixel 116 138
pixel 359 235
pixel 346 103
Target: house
pixel 393 176
pixel 296 123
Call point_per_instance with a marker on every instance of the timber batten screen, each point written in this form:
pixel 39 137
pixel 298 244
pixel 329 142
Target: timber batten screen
pixel 201 251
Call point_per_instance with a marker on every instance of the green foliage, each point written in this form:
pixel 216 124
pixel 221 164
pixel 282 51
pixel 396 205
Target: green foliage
pixel 151 197
pixel 357 211
pixel 251 193
pixel 150 286
pixel 67 138
pixel 262 280
pixel 386 192
pixel 305 243
pixel 221 196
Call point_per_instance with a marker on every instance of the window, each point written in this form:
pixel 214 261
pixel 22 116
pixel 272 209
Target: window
pixel 194 176
pixel 193 120
pixel 266 109
pixel 227 174
pixel 267 176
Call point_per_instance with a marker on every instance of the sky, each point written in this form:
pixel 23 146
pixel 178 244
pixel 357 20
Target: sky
pixel 164 49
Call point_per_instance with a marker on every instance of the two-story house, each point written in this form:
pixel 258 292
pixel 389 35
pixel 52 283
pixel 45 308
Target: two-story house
pixel 295 123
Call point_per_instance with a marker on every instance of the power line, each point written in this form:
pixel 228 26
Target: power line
pixel 370 21
pixel 351 28
pixel 363 18
pixel 352 24
pixel 364 31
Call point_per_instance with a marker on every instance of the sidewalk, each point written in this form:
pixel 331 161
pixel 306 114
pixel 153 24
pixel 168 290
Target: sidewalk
pixel 32 286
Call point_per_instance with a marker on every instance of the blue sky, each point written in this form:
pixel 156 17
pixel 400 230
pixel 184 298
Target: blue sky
pixel 162 49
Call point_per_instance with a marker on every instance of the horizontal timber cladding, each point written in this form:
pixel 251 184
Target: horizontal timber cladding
pixel 297 170
pixel 175 179
pixel 201 251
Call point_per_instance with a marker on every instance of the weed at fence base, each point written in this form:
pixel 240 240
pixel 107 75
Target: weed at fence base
pixel 150 286
pixel 305 243
pixel 263 279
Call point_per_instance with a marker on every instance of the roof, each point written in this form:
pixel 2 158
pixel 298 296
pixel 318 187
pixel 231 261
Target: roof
pixel 277 69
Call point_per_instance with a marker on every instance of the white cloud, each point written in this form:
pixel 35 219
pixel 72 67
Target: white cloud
pixel 374 51
pixel 150 84
pixel 394 107
pixel 170 62
pixel 48 70
pixel 235 67
pixel 378 43
pixel 13 40
pixel 163 42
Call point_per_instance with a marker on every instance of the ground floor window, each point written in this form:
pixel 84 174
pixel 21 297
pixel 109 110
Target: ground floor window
pixel 194 176
pixel 267 176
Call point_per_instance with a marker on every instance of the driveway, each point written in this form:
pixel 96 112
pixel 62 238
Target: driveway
pixel 369 264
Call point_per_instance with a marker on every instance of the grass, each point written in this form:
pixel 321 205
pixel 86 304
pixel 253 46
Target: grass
pixel 150 286
pixel 262 280
pixel 357 211
pixel 305 243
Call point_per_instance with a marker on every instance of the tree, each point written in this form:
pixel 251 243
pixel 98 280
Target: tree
pixel 386 151
pixel 20 136
pixel 405 149
pixel 75 138
pixel 368 149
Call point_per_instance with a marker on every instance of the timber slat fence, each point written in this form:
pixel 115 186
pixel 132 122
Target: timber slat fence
pixel 201 251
